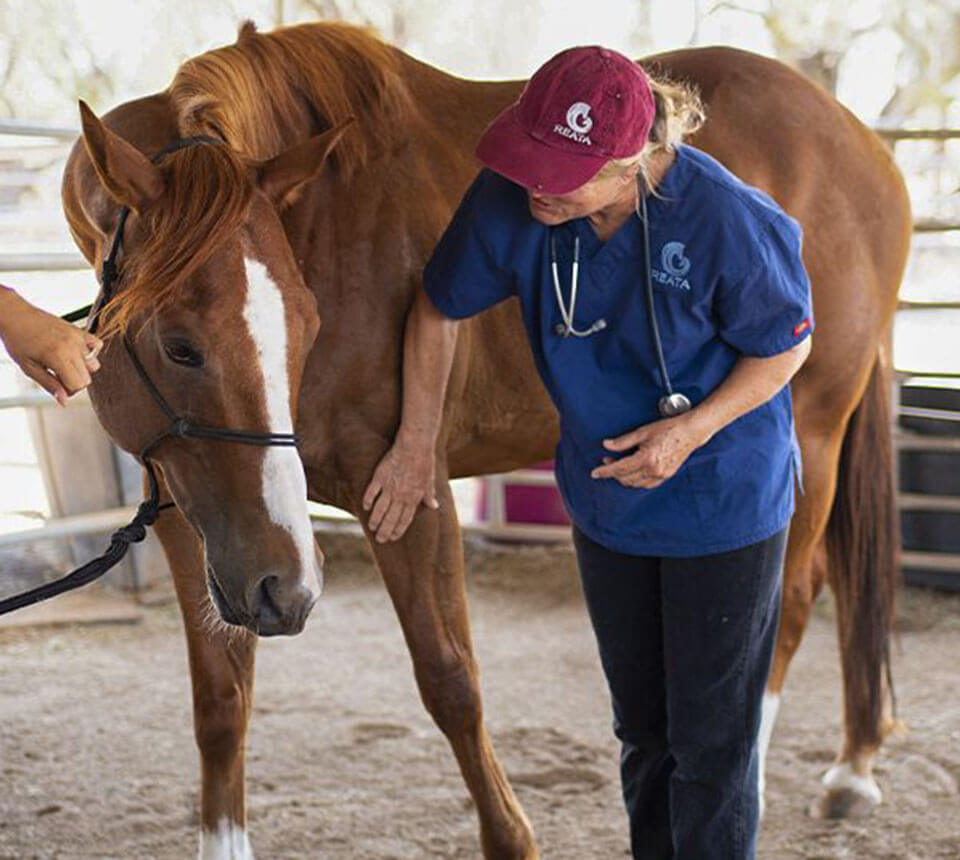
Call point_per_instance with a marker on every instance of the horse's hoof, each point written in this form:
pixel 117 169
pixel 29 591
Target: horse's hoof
pixel 847 795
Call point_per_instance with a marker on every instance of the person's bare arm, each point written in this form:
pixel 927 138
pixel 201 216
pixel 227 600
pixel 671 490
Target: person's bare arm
pixel 56 355
pixel 406 475
pixel 663 446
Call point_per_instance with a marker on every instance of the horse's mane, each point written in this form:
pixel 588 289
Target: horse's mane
pixel 270 90
pixel 260 96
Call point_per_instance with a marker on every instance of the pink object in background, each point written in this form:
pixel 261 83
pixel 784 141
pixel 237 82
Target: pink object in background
pixel 531 505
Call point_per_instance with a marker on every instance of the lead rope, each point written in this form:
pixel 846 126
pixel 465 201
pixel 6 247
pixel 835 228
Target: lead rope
pixel 133 532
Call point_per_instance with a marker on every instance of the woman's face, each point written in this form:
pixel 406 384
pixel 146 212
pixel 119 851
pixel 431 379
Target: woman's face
pixel 597 194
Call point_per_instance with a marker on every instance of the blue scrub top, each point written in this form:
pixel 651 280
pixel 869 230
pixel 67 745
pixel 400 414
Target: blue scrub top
pixel 728 281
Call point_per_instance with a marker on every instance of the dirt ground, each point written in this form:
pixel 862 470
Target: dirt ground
pixel 97 754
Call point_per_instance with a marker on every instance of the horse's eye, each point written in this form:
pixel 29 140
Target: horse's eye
pixel 181 352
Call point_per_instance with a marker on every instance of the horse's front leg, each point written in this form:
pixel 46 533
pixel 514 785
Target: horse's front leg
pixel 424 575
pixel 221 670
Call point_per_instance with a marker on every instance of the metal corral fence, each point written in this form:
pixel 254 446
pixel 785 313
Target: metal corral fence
pixel 496 487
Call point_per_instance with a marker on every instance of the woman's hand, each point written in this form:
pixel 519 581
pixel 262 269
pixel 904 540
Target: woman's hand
pixel 661 449
pixel 663 446
pixel 405 477
pixel 56 355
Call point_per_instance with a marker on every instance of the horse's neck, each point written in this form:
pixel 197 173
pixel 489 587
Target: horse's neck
pixel 366 237
pixel 454 109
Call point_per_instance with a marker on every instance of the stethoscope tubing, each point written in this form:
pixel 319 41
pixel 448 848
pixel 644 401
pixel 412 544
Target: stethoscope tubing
pixel 651 309
pixel 672 403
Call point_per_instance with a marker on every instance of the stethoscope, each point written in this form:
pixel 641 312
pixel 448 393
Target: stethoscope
pixel 672 402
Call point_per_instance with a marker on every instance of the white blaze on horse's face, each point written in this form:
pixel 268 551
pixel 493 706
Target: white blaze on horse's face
pixel 284 486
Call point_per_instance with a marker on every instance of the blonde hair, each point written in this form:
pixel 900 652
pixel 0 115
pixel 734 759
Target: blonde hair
pixel 679 113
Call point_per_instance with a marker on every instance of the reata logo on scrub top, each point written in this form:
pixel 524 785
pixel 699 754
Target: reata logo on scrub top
pixel 675 267
pixel 579 123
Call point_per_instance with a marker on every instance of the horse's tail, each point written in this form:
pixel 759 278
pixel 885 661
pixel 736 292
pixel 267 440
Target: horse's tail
pixel 863 539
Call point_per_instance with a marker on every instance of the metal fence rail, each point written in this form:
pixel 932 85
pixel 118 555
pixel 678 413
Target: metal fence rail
pixel 26 128
pixel 51 261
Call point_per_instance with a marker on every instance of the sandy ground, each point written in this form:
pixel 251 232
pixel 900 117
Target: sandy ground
pixel 97 754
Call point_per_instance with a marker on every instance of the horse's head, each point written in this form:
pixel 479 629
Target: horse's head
pixel 217 311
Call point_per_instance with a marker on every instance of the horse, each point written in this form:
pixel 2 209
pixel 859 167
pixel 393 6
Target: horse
pixel 266 276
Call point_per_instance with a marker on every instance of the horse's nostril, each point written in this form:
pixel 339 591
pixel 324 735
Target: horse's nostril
pixel 265 611
pixel 279 609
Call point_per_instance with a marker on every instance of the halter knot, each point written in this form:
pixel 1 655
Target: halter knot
pixel 148 511
pixel 132 533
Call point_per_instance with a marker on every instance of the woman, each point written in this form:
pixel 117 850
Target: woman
pixel 56 355
pixel 680 485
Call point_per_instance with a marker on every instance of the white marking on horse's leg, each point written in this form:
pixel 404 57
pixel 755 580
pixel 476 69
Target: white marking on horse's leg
pixel 227 842
pixel 768 716
pixel 284 484
pixel 842 777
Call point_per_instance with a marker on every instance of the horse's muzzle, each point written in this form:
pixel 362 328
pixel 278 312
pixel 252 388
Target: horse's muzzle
pixel 267 608
pixel 280 610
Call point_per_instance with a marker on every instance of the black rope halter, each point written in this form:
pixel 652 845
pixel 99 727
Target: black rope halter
pixel 178 428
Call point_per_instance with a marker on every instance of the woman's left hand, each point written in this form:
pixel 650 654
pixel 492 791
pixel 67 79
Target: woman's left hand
pixel 661 449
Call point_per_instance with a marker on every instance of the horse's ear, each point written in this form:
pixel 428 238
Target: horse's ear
pixel 126 174
pixel 281 176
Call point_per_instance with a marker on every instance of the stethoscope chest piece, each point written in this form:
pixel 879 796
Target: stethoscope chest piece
pixel 671 405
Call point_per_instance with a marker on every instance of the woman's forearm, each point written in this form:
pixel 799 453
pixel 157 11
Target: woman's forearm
pixel 752 382
pixel 430 339
pixel 405 477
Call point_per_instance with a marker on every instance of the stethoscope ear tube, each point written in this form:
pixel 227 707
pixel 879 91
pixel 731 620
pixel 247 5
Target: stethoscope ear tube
pixel 566 328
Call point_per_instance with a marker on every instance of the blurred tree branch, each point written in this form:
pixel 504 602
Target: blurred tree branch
pixel 819 62
pixel 815 37
pixel 57 66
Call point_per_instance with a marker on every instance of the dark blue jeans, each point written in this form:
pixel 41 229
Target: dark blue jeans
pixel 686 645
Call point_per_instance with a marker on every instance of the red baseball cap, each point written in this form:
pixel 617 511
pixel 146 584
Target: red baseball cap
pixel 580 109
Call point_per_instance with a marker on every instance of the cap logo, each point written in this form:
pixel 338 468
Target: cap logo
pixel 579 123
pixel 578 118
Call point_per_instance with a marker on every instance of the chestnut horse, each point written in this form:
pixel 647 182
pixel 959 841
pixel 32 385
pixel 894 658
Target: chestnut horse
pixel 236 251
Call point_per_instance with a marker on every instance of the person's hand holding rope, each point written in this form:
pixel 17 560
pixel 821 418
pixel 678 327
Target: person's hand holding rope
pixel 56 355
